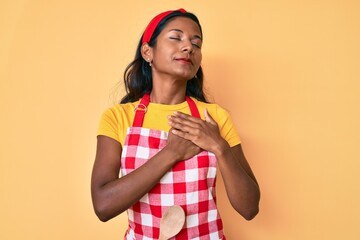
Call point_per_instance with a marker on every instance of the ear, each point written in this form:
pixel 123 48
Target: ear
pixel 146 52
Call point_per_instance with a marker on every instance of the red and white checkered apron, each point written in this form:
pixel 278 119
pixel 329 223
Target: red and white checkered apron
pixel 190 184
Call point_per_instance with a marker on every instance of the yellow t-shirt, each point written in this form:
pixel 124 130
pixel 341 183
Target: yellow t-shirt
pixel 115 120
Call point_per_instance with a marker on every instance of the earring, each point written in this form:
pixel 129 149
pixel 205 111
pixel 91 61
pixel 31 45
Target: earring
pixel 149 62
pixel 195 76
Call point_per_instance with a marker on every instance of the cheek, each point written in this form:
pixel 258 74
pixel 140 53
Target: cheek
pixel 199 58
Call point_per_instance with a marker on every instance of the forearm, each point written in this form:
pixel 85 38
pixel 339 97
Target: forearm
pixel 118 195
pixel 240 184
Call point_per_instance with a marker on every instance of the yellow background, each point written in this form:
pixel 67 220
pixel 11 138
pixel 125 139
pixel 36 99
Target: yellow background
pixel 288 72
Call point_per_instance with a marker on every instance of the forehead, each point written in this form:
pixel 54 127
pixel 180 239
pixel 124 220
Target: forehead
pixel 184 24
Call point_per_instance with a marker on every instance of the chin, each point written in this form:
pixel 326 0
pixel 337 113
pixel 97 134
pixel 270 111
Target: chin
pixel 186 76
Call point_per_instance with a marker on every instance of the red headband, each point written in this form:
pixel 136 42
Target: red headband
pixel 155 22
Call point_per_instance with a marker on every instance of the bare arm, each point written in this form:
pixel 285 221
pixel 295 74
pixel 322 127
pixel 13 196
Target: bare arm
pixel 240 183
pixel 112 195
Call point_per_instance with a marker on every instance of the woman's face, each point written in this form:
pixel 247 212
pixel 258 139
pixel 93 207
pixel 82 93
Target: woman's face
pixel 177 51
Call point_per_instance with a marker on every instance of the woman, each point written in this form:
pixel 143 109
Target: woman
pixel 167 140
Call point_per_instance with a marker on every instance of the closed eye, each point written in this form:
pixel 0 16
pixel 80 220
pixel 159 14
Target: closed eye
pixel 175 38
pixel 196 41
pixel 196 45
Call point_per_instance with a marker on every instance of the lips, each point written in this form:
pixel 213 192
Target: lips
pixel 184 60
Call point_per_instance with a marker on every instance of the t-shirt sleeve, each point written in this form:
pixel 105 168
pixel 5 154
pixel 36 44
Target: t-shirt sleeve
pixel 227 128
pixel 108 125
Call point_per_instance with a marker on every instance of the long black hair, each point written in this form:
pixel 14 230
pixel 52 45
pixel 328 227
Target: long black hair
pixel 138 76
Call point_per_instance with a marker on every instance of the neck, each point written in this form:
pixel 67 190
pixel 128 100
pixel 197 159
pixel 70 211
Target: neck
pixel 168 97
pixel 168 93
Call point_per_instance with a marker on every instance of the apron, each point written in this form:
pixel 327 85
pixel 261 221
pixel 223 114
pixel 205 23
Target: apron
pixel 190 184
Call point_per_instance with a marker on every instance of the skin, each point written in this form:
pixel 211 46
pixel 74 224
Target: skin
pixel 175 59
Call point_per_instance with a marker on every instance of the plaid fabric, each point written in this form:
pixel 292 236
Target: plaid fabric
pixel 190 184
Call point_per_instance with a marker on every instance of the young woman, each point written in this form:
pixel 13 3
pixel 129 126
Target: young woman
pixel 167 141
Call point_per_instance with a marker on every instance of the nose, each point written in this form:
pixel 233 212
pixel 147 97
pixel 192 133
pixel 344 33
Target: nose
pixel 187 47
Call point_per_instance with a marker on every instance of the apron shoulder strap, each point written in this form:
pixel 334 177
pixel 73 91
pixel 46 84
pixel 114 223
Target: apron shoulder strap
pixel 140 111
pixel 193 108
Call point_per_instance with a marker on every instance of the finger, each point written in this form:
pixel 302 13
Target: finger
pixel 175 123
pixel 182 134
pixel 188 117
pixel 183 127
pixel 208 117
pixel 183 122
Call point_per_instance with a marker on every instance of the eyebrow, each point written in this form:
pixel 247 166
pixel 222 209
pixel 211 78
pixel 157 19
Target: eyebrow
pixel 178 30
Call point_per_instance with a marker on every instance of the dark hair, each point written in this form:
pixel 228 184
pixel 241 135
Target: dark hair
pixel 138 76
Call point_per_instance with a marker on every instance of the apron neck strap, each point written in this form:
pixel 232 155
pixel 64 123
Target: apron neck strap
pixel 141 109
pixel 193 108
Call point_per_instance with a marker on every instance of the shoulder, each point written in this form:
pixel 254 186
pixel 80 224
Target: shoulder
pixel 120 110
pixel 118 116
pixel 115 120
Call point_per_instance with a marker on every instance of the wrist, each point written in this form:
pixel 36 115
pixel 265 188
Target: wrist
pixel 171 155
pixel 221 148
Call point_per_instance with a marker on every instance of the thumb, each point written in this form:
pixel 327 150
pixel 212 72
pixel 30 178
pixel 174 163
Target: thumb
pixel 208 118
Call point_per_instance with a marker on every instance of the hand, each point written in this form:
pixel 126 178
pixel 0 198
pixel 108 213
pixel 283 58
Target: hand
pixel 204 133
pixel 183 148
